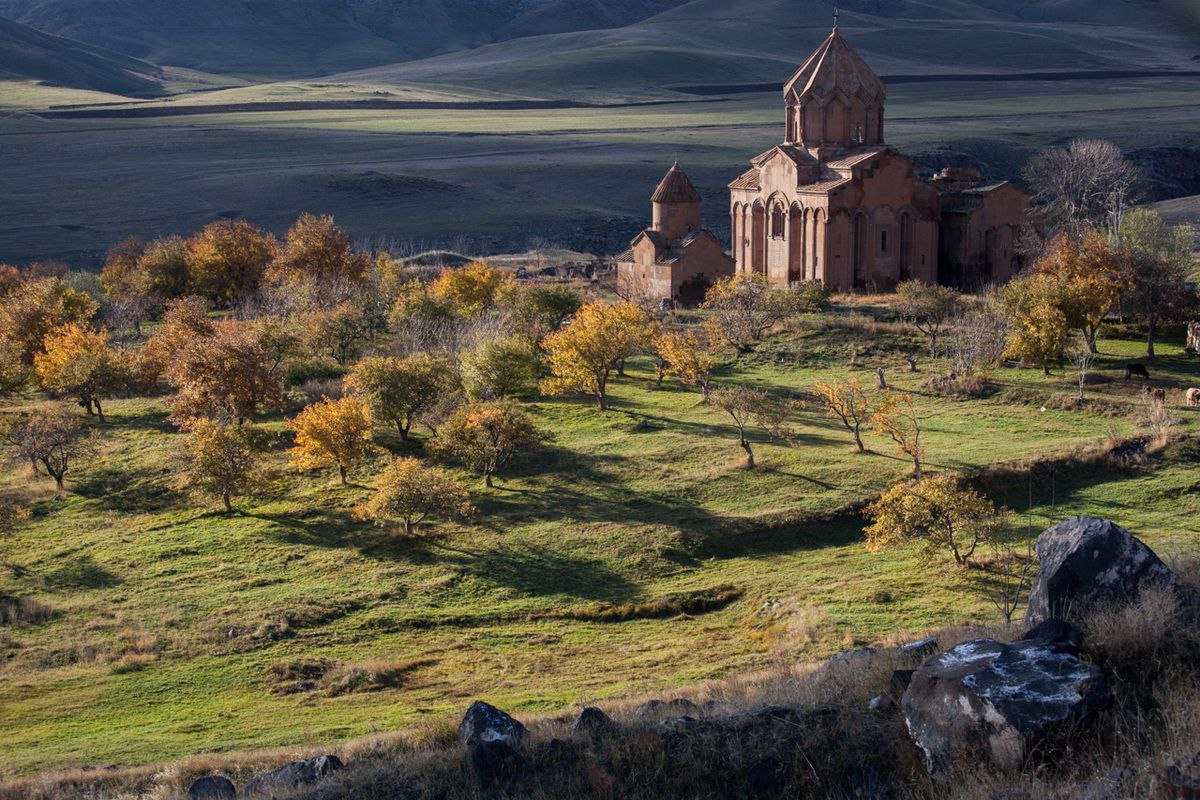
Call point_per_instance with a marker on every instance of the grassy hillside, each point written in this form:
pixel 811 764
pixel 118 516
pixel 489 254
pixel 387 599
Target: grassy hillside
pixel 28 54
pixel 281 38
pixel 165 628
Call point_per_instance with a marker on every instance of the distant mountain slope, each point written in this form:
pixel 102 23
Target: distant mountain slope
pixel 28 54
pixel 280 38
pixel 750 41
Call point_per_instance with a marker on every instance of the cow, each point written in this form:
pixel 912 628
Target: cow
pixel 1193 398
pixel 1156 395
pixel 1136 371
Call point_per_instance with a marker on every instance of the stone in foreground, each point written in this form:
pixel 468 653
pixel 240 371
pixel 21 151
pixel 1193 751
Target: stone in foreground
pixel 592 720
pixel 212 787
pixel 1085 563
pixel 486 723
pixel 985 698
pixel 297 773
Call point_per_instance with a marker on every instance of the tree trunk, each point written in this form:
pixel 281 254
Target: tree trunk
pixel 410 527
pixel 916 466
pixel 228 505
pixel 59 488
pixel 487 479
pixel 749 453
pixel 880 378
pixel 99 411
pixel 621 368
pixel 858 440
pixel 342 474
pixel 1089 335
pixel 402 429
pixel 1151 333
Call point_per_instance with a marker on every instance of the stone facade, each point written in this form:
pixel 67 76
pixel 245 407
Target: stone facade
pixel 674 260
pixel 834 203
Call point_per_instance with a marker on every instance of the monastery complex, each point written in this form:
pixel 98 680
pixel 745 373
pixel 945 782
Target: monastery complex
pixel 831 203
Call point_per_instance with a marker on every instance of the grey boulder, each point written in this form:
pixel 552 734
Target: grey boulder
pixel 486 723
pixel 992 699
pixel 592 720
pixel 1086 562
pixel 212 787
pixel 297 773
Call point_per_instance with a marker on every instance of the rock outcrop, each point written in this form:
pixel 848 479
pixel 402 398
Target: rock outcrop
pixel 1086 563
pixel 212 787
pixel 994 699
pixel 297 773
pixel 486 723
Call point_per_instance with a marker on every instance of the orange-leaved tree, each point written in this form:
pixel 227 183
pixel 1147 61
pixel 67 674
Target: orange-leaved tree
pixel 332 432
pixel 228 258
pixel 226 375
pixel 316 249
pixel 484 437
pixel 475 288
pixel 1091 274
pixel 688 356
pixel 895 416
pixel 413 492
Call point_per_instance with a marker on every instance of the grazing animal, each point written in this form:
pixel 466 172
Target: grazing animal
pixel 1157 395
pixel 1136 371
pixel 1193 397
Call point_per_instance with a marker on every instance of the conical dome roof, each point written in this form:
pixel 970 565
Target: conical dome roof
pixel 675 187
pixel 836 68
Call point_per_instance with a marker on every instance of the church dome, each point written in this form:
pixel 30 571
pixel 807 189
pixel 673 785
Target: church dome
pixel 836 68
pixel 675 187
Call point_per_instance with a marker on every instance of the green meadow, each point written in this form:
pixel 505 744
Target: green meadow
pixel 166 617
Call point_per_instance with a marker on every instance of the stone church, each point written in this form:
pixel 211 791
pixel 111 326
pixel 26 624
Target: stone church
pixel 675 259
pixel 834 203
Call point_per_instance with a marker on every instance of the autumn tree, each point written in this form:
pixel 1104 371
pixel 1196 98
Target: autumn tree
pixel 928 308
pixel 936 513
pixel 13 373
pixel 583 355
pixel 540 310
pixel 228 258
pixel 1090 274
pixel 340 332
pixel 316 250
pixel 78 362
pixel 744 307
pixel 503 366
pixel 399 390
pixel 745 406
pixel 412 493
pixel 226 375
pixel 1038 326
pixel 185 322
pixel 895 416
pixel 1163 264
pixel 689 356
pixel 163 268
pixel 49 439
pixel 332 432
pixel 220 459
pixel 474 288
pixel 40 306
pixel 846 401
pixel 124 283
pixel 484 437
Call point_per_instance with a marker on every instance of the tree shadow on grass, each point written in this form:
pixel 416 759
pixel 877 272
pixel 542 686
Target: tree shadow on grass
pixel 80 573
pixel 538 571
pixel 128 491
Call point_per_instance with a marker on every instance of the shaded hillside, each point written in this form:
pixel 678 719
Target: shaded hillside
pixel 728 42
pixel 312 37
pixel 28 54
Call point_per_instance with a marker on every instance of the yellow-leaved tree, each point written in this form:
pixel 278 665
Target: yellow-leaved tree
pixel 332 432
pixel 78 362
pixel 475 288
pixel 846 401
pixel 583 355
pixel 1038 326
pixel 1091 275
pixel 936 512
pixel 689 356
pixel 895 416
pixel 315 249
pixel 412 492
pixel 228 258
pixel 221 459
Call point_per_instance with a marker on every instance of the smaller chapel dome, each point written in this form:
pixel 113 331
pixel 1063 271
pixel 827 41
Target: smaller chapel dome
pixel 675 187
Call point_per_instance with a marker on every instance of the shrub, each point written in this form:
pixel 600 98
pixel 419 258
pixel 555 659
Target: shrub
pixel 301 372
pixel 500 367
pixel 412 492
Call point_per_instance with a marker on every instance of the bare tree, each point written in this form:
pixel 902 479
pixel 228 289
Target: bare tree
pixel 1090 184
pixel 977 337
pixel 52 440
pixel 1082 358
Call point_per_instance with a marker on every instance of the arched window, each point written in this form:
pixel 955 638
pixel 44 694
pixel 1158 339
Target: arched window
pixel 778 222
pixel 883 242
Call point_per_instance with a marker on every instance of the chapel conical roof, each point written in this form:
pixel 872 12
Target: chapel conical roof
pixel 675 187
pixel 834 68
